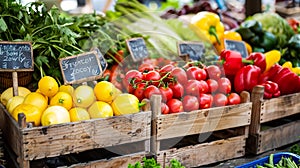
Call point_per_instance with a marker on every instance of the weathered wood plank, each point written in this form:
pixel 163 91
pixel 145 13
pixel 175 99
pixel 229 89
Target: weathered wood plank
pixel 205 153
pixel 40 142
pixel 280 107
pixel 201 121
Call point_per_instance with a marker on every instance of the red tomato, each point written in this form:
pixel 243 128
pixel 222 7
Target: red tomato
pixel 139 91
pixel 132 75
pixel 220 99
pixel 192 87
pixel 196 73
pixel 175 106
pixel 190 103
pixel 145 67
pixel 165 69
pixel 166 93
pixel 213 72
pixel 203 87
pixel 177 89
pixel 233 98
pixel 205 101
pixel 212 85
pixel 224 85
pixel 151 76
pixel 180 75
pixel 164 109
pixel 150 90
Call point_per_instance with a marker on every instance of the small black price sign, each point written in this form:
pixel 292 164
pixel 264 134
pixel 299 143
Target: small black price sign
pixel 81 68
pixel 16 56
pixel 194 50
pixel 137 48
pixel 238 46
pixel 102 60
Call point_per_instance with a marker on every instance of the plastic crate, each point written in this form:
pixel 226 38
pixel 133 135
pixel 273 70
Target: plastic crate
pixel 277 157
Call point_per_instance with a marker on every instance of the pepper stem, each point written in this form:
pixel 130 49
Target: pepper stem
pixel 251 62
pixel 212 31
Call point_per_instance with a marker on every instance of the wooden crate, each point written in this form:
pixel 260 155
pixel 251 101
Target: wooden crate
pixel 33 143
pixel 269 112
pixel 202 137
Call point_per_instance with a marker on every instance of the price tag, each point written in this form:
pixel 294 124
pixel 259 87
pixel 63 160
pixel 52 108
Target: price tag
pixel 81 68
pixel 102 60
pixel 194 50
pixel 238 46
pixel 16 56
pixel 137 48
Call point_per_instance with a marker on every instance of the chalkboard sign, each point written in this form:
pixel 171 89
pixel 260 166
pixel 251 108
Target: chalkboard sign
pixel 194 50
pixel 102 60
pixel 81 68
pixel 137 48
pixel 238 46
pixel 16 56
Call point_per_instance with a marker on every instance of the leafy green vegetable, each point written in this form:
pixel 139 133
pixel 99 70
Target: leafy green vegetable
pixel 151 163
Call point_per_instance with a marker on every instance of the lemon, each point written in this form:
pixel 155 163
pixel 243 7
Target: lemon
pixel 66 88
pixel 8 93
pixel 62 99
pixel 36 99
pixel 48 86
pixel 79 114
pixel 125 103
pixel 32 113
pixel 55 115
pixel 105 91
pixel 14 102
pixel 83 96
pixel 100 109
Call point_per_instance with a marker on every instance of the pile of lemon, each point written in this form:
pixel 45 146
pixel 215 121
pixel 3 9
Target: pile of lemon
pixel 53 104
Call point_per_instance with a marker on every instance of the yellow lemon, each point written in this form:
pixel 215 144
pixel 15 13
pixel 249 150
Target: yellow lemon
pixel 55 115
pixel 105 91
pixel 66 88
pixel 36 99
pixel 14 102
pixel 125 103
pixel 48 86
pixel 83 96
pixel 8 93
pixel 79 114
pixel 32 113
pixel 100 109
pixel 62 99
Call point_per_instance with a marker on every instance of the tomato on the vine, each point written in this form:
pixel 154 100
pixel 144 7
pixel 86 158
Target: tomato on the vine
pixel 151 76
pixel 196 73
pixel 175 106
pixel 233 98
pixel 164 108
pixel 139 91
pixel 180 75
pixel 166 69
pixel 178 90
pixel 220 99
pixel 145 67
pixel 132 75
pixel 213 72
pixel 205 101
pixel 212 85
pixel 150 90
pixel 166 93
pixel 190 103
pixel 224 85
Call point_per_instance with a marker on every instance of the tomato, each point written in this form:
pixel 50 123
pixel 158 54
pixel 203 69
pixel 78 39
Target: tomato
pixel 224 85
pixel 203 87
pixel 190 103
pixel 213 72
pixel 175 106
pixel 151 76
pixel 165 69
pixel 106 74
pixel 178 90
pixel 220 99
pixel 166 93
pixel 164 108
pixel 196 73
pixel 139 91
pixel 132 76
pixel 192 87
pixel 205 101
pixel 150 90
pixel 233 98
pixel 180 75
pixel 145 67
pixel 212 85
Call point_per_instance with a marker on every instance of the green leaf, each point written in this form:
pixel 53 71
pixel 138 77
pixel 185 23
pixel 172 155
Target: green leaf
pixel 40 60
pixel 3 26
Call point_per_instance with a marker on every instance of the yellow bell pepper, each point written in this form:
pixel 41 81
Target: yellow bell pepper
pixel 289 65
pixel 272 57
pixel 211 25
pixel 230 35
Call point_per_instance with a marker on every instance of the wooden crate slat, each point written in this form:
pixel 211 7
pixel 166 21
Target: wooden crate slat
pixel 40 142
pixel 205 153
pixel 188 123
pixel 280 107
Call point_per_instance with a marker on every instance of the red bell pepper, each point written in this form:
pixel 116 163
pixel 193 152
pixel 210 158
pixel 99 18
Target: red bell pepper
pixel 271 89
pixel 246 78
pixel 258 59
pixel 287 81
pixel 270 74
pixel 231 61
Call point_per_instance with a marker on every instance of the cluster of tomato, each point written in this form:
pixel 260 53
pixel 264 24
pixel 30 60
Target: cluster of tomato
pixel 186 88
